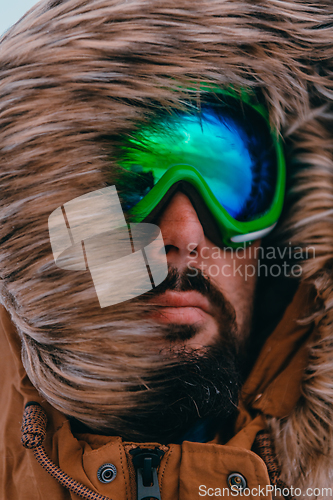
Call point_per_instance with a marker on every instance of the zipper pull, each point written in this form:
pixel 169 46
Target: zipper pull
pixel 145 463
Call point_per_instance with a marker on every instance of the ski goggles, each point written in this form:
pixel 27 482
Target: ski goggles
pixel 222 154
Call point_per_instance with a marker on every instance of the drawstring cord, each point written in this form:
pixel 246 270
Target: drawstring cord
pixel 33 435
pixel 263 446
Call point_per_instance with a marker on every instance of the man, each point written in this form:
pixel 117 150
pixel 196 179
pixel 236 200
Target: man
pixel 218 381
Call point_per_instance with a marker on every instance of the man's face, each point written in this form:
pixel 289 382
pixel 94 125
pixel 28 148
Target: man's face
pixel 205 319
pixel 195 257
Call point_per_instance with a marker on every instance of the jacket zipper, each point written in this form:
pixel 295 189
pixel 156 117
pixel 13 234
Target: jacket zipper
pixel 146 462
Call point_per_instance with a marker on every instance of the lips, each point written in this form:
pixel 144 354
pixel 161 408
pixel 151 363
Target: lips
pixel 181 307
pixel 183 299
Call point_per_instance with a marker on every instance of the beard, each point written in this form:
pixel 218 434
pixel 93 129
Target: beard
pixel 199 388
pixel 198 385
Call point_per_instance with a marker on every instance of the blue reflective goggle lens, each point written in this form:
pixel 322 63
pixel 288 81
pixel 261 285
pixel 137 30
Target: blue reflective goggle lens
pixel 228 143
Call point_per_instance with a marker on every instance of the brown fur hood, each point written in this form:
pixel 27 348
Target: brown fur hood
pixel 75 76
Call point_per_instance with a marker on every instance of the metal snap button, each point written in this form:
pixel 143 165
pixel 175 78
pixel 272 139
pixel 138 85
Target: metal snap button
pixel 236 481
pixel 107 473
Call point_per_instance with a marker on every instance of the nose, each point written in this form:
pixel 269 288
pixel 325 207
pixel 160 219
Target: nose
pixel 181 230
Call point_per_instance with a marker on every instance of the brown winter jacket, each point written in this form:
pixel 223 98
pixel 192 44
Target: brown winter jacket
pixel 273 388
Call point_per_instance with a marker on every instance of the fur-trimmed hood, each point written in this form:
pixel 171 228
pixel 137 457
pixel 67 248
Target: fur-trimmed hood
pixel 74 77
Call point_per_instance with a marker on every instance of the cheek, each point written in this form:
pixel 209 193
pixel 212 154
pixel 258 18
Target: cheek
pixel 237 280
pixel 240 291
pixel 233 274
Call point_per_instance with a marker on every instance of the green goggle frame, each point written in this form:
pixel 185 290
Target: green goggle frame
pixel 231 232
